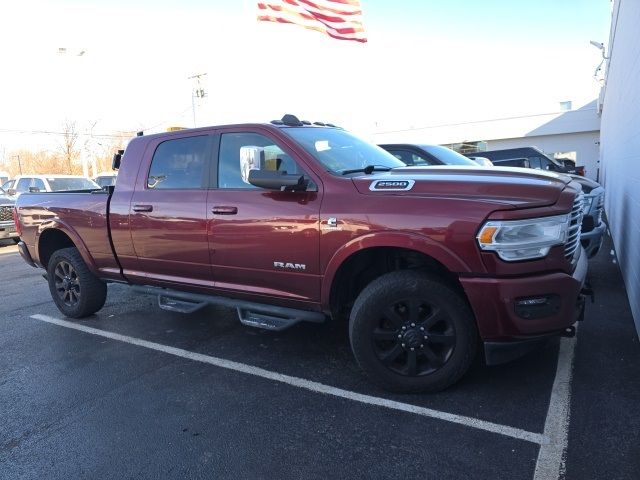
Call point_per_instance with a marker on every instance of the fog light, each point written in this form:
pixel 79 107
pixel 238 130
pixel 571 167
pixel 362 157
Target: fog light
pixel 537 307
pixel 532 301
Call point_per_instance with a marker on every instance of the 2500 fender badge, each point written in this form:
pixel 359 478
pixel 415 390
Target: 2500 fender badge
pixel 290 266
pixel 391 185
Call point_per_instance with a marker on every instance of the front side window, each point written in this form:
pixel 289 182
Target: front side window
pixel 242 152
pixel 179 164
pixel 23 185
pixel 341 152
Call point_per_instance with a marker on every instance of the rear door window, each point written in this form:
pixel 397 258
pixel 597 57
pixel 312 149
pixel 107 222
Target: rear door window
pixel 179 164
pixel 411 158
pixel 39 184
pixel 536 162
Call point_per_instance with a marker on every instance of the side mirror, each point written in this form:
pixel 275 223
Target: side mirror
pixel 117 158
pixel 276 180
pixel 11 191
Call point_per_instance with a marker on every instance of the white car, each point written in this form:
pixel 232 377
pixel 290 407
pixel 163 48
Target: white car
pixel 51 183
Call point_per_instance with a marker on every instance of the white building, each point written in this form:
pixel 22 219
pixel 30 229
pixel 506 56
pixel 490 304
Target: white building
pixel 571 134
pixel 620 149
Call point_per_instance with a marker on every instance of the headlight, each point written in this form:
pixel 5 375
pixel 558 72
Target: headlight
pixel 515 240
pixel 586 205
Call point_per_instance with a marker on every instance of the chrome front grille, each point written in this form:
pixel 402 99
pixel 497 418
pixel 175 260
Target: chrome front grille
pixel 575 222
pixel 600 208
pixel 6 213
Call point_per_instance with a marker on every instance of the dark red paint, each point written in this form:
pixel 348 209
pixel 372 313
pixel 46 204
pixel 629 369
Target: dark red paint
pixel 226 241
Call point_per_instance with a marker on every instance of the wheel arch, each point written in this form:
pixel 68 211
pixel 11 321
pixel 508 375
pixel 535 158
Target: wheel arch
pixel 366 253
pixel 58 235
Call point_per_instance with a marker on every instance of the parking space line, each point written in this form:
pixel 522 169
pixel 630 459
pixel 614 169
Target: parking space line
pixel 552 455
pixel 471 422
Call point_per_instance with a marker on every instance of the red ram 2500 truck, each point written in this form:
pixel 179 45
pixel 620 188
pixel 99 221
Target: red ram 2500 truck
pixel 290 222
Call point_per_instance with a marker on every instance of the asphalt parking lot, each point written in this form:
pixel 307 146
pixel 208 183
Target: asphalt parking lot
pixel 137 392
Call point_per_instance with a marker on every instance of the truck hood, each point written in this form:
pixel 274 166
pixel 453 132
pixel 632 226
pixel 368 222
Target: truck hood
pixel 588 185
pixel 517 187
pixel 5 200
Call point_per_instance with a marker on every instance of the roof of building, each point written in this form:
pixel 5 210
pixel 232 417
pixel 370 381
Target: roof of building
pixel 584 119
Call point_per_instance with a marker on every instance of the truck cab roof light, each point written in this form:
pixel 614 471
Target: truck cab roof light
pixel 291 120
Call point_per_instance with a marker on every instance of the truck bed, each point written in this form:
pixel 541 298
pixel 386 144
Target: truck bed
pixel 82 215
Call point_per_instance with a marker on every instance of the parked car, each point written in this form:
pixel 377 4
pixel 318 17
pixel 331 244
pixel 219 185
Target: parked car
pixel 50 183
pixel 593 225
pixel 105 179
pixel 290 222
pixel 534 157
pixel 8 185
pixel 426 155
pixel 7 226
pixel 4 177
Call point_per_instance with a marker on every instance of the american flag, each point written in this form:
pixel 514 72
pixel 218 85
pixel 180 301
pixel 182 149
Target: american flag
pixel 341 19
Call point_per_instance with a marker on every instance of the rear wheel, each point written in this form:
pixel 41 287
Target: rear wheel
pixel 75 290
pixel 410 332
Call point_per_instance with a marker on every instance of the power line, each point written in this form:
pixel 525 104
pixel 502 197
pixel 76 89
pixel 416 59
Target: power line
pixel 479 121
pixel 165 121
pixel 49 132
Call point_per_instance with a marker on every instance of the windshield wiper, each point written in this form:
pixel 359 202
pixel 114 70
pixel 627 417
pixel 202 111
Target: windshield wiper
pixel 369 169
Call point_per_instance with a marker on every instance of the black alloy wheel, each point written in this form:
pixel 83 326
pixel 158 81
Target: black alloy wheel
pixel 414 337
pixel 412 332
pixel 67 283
pixel 76 291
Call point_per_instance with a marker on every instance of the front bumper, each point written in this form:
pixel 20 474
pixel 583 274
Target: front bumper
pixel 592 241
pixel 501 318
pixel 8 230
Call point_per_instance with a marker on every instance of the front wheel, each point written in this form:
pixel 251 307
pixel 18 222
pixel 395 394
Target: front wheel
pixel 410 332
pixel 76 291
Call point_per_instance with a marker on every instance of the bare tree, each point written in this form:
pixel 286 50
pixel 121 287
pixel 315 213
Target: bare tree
pixel 69 147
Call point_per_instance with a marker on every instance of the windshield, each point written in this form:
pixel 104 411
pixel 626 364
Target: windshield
pixel 448 156
pixel 62 183
pixel 340 151
pixel 2 192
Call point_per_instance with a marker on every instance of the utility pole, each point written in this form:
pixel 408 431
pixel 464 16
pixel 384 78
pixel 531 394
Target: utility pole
pixel 197 92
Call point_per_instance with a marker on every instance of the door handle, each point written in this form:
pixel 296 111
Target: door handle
pixel 143 208
pixel 223 210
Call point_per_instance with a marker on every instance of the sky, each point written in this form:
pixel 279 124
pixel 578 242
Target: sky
pixel 427 62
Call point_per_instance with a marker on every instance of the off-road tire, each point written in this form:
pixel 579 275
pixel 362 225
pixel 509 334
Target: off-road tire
pixel 79 293
pixel 455 343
